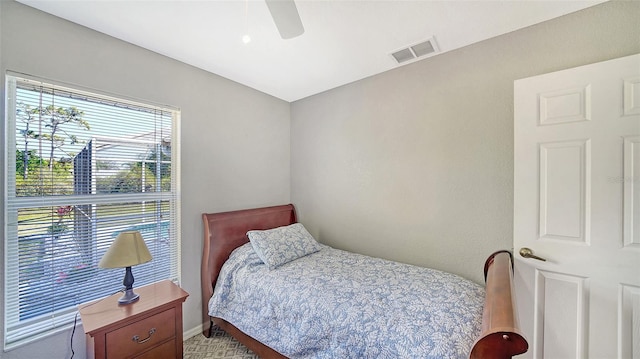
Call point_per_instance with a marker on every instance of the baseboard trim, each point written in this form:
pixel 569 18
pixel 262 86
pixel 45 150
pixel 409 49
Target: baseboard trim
pixel 192 332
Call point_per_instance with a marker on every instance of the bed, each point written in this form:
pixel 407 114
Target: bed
pixel 349 313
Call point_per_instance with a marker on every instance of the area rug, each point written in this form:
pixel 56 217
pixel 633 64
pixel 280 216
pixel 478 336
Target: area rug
pixel 220 345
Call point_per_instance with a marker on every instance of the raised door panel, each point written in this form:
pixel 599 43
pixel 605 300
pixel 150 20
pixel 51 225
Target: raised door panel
pixel 561 316
pixel 564 191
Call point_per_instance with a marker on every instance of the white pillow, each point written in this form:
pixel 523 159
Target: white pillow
pixel 281 245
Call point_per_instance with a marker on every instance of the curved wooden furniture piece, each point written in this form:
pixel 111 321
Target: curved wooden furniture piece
pixel 224 232
pixel 500 337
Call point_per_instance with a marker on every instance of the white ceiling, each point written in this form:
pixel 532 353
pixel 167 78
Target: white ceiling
pixel 344 41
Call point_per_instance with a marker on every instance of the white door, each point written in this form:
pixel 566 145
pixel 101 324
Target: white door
pixel 577 205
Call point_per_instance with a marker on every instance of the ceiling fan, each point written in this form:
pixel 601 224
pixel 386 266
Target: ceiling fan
pixel 285 15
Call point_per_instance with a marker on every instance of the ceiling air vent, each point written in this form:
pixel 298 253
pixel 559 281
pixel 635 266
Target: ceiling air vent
pixel 414 52
pixel 403 55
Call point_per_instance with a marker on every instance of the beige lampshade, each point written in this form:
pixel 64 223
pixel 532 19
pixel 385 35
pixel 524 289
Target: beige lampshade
pixel 127 250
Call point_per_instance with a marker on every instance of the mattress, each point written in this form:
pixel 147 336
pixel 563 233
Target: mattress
pixel 337 304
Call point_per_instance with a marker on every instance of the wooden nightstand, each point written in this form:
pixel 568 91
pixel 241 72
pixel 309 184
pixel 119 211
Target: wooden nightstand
pixel 148 328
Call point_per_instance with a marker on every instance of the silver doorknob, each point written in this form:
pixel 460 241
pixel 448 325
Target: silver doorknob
pixel 528 253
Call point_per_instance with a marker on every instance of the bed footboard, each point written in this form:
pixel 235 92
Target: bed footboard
pixel 500 337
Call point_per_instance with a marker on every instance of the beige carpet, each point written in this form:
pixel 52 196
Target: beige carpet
pixel 220 345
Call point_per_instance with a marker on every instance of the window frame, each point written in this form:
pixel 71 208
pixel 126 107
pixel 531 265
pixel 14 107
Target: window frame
pixel 64 319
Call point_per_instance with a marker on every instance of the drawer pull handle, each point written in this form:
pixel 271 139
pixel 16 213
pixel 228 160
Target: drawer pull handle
pixel 137 338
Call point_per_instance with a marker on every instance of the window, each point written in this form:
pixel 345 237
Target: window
pixel 81 168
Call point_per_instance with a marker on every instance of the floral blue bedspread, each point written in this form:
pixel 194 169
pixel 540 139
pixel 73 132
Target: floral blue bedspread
pixel 336 304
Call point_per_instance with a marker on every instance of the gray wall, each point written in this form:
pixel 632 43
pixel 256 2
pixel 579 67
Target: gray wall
pixel 416 164
pixel 230 133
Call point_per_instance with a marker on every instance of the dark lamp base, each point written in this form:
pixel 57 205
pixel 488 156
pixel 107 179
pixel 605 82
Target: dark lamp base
pixel 128 297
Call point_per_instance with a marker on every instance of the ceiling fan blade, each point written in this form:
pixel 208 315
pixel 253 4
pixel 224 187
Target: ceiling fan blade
pixel 285 15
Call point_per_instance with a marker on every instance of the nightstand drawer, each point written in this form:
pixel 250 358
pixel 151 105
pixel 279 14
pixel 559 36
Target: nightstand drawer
pixel 164 351
pixel 137 337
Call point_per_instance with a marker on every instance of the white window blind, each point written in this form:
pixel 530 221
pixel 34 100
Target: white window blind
pixel 82 167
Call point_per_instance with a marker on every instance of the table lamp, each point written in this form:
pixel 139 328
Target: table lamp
pixel 126 251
